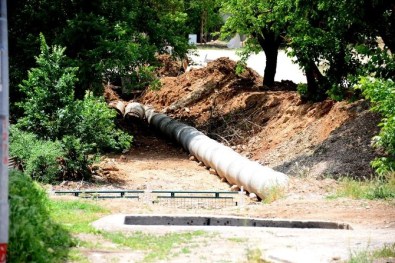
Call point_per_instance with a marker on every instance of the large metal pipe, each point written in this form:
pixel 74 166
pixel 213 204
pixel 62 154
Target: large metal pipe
pixel 237 169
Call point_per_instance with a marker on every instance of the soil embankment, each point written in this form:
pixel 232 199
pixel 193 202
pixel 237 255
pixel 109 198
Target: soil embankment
pixel 272 126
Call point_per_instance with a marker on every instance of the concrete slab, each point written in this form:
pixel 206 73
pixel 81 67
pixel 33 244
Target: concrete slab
pixel 276 244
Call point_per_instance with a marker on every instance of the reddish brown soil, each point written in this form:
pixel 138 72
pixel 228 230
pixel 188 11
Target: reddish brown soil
pixel 170 67
pixel 272 127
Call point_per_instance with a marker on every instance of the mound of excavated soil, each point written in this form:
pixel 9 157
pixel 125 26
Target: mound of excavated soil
pixel 273 127
pixel 170 67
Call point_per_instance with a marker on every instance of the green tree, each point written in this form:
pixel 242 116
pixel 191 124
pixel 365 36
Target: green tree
pixel 104 39
pixel 203 17
pixel 327 33
pixel 52 112
pixel 260 21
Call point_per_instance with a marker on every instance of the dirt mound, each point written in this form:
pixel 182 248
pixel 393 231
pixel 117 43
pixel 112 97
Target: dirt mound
pixel 272 127
pixel 170 67
pixel 196 94
pixel 110 94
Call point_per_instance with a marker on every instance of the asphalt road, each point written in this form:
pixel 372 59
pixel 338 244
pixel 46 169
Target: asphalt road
pixel 286 69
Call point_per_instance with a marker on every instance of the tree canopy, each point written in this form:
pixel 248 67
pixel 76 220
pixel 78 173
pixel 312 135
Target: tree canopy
pixel 326 38
pixel 258 20
pixel 104 39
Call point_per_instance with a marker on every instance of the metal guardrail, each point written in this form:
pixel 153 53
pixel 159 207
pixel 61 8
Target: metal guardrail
pixel 99 193
pixel 171 197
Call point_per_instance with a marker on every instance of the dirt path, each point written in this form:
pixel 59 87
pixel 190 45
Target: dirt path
pixel 163 166
pixel 158 164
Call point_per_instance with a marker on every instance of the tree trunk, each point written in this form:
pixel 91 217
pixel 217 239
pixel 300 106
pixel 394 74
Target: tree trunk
pixel 316 88
pixel 203 22
pixel 271 66
pixel 270 43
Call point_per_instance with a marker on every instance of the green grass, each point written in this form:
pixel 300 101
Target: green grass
pixel 274 193
pixel 76 216
pixel 157 247
pixel 237 239
pixel 377 188
pixel 388 251
pixel 255 256
pixel 77 256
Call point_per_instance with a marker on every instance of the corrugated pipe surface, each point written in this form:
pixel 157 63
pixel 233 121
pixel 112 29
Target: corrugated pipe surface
pixel 237 169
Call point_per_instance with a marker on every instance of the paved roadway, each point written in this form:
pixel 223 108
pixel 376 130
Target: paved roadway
pixel 286 70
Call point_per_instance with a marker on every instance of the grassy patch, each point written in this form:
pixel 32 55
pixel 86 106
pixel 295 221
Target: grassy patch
pixel 76 256
pixel 76 215
pixel 274 193
pixel 378 188
pixel 237 239
pixel 388 251
pixel 255 256
pixel 158 247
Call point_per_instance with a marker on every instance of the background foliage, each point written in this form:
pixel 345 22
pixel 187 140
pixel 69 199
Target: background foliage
pixel 381 93
pixel 106 40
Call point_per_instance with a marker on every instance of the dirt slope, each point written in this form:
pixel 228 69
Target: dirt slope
pixel 273 127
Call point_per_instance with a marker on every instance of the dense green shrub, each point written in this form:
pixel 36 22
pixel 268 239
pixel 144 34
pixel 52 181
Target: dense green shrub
pixel 43 164
pixel 52 112
pixel 75 163
pixel 381 93
pixel 49 88
pixel 49 161
pixel 64 132
pixel 93 122
pixel 38 158
pixel 34 237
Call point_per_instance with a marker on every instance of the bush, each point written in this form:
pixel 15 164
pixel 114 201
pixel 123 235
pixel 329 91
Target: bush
pixel 52 112
pixel 76 161
pixel 47 161
pixel 93 122
pixel 43 164
pixel 381 93
pixel 34 237
pixel 49 88
pixel 38 158
pixel 58 119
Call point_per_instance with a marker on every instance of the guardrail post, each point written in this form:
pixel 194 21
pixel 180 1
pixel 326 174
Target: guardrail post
pixel 241 196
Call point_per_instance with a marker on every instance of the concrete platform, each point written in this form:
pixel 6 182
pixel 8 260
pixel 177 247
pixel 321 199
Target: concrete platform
pixel 277 244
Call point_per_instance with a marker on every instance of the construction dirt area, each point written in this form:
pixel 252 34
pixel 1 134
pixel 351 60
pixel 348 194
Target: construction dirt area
pixel 315 144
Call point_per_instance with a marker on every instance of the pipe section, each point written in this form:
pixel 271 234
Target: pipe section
pixel 237 169
pixel 134 109
pixel 119 106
